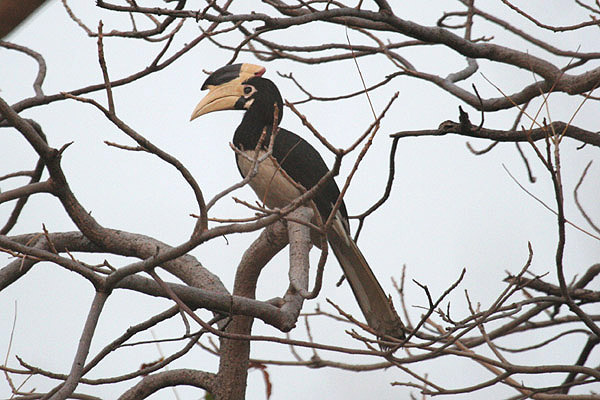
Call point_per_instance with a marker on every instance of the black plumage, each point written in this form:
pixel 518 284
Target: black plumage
pixel 292 152
pixel 294 166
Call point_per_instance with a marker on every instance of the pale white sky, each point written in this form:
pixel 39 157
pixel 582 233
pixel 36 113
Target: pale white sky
pixel 448 208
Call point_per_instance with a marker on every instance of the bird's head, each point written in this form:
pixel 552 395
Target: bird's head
pixel 239 87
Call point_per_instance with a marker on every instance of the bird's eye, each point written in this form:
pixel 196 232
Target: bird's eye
pixel 247 89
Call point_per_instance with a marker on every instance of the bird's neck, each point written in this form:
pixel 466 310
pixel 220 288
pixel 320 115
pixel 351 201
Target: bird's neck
pixel 248 133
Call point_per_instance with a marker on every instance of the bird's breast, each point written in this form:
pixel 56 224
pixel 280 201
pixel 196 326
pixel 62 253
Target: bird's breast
pixel 273 186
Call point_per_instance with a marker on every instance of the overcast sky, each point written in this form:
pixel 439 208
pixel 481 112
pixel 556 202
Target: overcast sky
pixel 448 210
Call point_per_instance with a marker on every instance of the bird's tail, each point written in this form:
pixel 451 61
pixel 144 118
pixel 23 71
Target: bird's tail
pixel 372 300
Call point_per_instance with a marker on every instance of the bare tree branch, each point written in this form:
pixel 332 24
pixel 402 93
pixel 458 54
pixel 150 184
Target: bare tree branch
pixel 479 333
pixel 152 383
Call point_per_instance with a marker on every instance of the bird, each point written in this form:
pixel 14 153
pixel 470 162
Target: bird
pixel 293 167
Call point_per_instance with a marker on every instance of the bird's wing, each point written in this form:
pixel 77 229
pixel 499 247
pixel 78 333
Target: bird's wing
pixel 295 160
pixel 304 165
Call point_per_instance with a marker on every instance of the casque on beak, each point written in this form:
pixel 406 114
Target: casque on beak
pixel 225 88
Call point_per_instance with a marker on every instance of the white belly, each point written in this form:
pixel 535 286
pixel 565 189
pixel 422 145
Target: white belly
pixel 271 184
pixel 276 189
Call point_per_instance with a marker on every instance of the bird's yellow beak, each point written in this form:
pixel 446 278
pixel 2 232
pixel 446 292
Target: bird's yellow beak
pixel 225 88
pixel 219 98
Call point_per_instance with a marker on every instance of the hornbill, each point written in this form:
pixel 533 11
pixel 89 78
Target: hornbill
pixel 293 167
